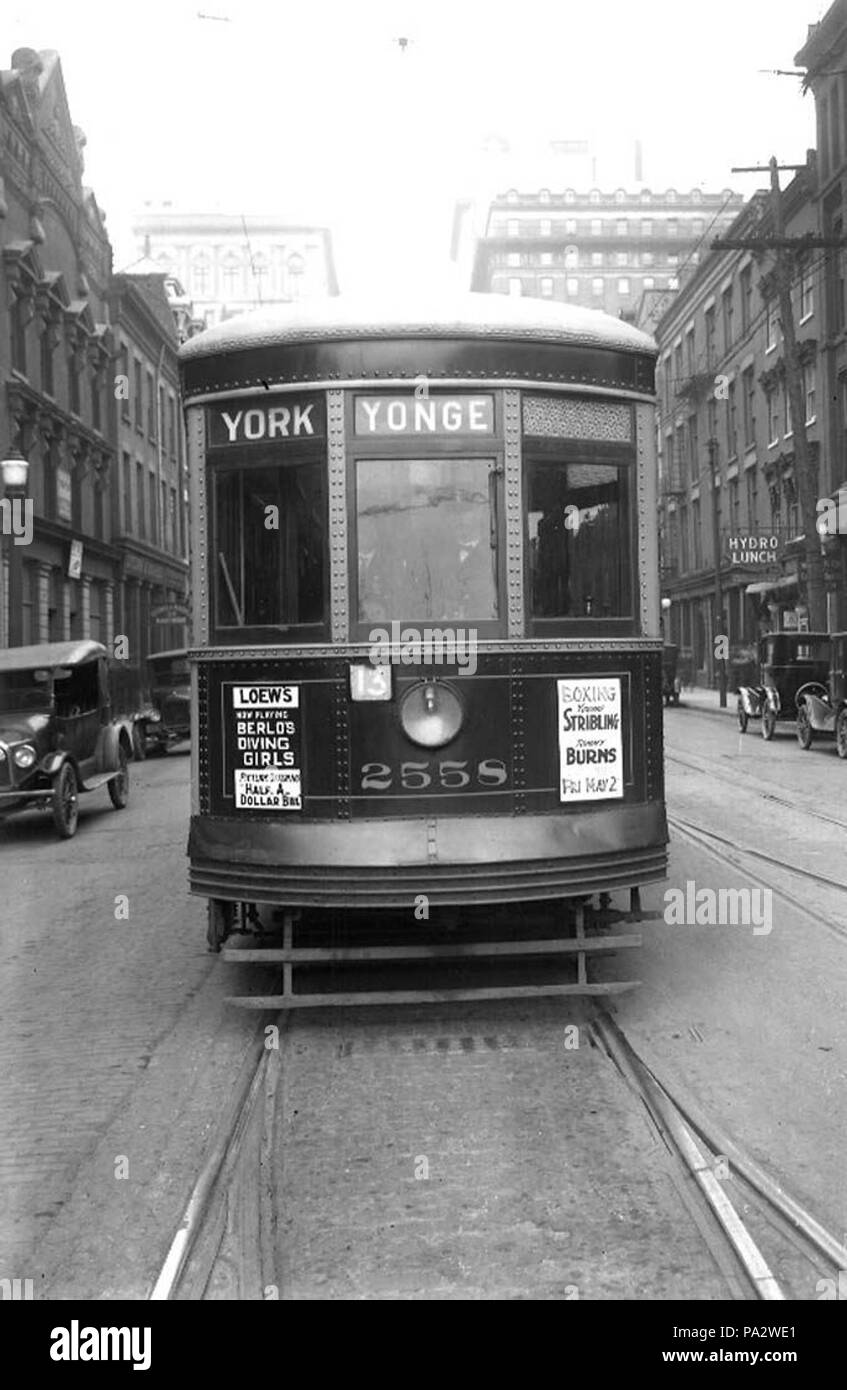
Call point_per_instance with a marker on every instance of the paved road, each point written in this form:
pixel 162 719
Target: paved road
pixel 118 1052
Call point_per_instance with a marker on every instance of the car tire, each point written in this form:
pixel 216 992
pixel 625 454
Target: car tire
pixel 768 724
pixel 139 741
pixel 804 728
pixel 841 734
pixel 743 719
pixel 119 784
pixel 66 801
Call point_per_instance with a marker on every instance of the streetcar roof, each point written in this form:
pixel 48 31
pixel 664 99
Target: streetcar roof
pixel 465 315
pixel 49 654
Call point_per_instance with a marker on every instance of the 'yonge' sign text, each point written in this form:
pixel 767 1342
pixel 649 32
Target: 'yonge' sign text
pixel 424 415
pixel 266 421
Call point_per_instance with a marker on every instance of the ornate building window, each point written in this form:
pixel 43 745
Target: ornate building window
pixel 231 275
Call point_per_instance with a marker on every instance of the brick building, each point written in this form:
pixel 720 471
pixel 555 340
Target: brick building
pixel 55 357
pixel 726 440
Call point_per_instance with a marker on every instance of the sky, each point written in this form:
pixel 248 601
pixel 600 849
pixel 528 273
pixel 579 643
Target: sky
pixel 317 111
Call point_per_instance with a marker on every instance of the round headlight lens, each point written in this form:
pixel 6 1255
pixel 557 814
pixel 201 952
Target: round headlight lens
pixel 431 715
pixel 24 756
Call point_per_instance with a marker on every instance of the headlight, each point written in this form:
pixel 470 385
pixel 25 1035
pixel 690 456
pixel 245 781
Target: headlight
pixel 2 755
pixel 431 715
pixel 24 756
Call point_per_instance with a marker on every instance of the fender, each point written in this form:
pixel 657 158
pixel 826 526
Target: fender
pixel 750 699
pixel 51 762
pixel 771 699
pixel 109 740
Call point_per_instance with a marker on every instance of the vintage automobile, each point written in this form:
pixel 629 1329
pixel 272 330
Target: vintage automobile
pixel 57 734
pixel 671 683
pixel 822 706
pixel 169 719
pixel 787 661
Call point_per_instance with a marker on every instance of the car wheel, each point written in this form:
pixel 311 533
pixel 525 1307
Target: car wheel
pixel 65 801
pixel 841 734
pixel 139 742
pixel 768 724
pixel 804 728
pixel 119 784
pixel 743 719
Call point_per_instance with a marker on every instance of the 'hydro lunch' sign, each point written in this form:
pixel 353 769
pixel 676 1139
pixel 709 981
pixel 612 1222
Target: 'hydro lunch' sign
pixel 269 420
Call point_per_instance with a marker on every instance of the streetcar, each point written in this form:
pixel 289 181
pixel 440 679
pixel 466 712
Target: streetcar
pixel 427 679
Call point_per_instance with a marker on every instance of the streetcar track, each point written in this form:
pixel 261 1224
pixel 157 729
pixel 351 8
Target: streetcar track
pixel 765 795
pixel 699 1143
pixel 757 854
pixel 712 844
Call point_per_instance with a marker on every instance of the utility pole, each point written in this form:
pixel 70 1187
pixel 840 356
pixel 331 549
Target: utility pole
pixel 717 621
pixel 785 249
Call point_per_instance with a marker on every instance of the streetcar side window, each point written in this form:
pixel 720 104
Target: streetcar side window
pixel 578 540
pixel 426 536
pixel 268 559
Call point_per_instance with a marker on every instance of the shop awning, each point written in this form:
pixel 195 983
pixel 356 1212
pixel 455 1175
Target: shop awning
pixel 767 586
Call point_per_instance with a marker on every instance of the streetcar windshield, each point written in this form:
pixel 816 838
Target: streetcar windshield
pixel 578 540
pixel 427 540
pixel 269 546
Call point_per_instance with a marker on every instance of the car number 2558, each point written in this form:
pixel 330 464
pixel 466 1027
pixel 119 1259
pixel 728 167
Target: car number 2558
pixel 451 776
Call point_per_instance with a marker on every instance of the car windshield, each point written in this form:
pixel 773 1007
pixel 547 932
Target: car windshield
pixel 19 690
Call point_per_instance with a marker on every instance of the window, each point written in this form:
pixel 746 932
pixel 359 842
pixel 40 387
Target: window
pixel 693 448
pixel 648 282
pixel 126 483
pixel 594 196
pixel 73 383
pixel 734 505
pixel 749 407
pixel 171 536
pixel 621 226
pixel 731 423
pixel 570 196
pixel 139 396
pixel 546 226
pixel 577 539
pixel 151 406
pixel 789 428
pixel 835 279
pixel 698 534
pixel 200 277
pixel 646 226
pixel 544 195
pixel 546 258
pixel 752 484
pixel 647 257
pixel 746 281
pixel 596 227
pixel 597 258
pixel 689 352
pixel 698 227
pixel 513 258
pixel 99 518
pixel 266 579
pixel 597 287
pixel 684 541
pixel 773 417
pixel 571 257
pixel 672 227
pixel 17 313
pixel 711 338
pixel 809 390
pixel 547 286
pixel 172 426
pixel 46 345
pixel 570 226
pixel 726 311
pixel 512 227
pixel 512 195
pixel 96 401
pixel 621 258
pixel 623 287
pixel 770 325
pixel 232 277
pixel 835 124
pixel 573 287
pixel 515 286
pixel 163 513
pixel 681 453
pixel 712 426
pixel 152 529
pixel 823 137
pixel 807 302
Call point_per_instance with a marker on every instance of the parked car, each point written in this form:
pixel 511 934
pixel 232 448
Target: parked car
pixel 822 706
pixel 671 683
pixel 168 721
pixel 57 734
pixel 787 661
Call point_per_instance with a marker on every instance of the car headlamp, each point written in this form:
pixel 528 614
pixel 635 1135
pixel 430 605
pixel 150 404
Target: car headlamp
pixel 24 756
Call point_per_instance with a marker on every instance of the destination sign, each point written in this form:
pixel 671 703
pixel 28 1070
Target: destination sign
pixel 268 420
pixel 428 415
